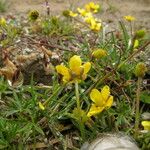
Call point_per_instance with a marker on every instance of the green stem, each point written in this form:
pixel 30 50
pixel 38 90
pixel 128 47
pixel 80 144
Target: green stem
pixel 81 124
pixel 131 29
pixel 54 94
pixel 137 116
pixel 77 94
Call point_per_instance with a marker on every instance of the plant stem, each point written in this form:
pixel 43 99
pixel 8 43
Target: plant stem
pixel 81 124
pixel 137 106
pixel 77 95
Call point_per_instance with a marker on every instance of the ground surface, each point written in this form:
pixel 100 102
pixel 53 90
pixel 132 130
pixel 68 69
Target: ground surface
pixel 112 9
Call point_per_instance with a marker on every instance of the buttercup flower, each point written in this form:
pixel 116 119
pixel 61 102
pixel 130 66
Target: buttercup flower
pixel 101 100
pixel 82 12
pixel 92 7
pixel 76 71
pixel 2 21
pixel 95 26
pixel 129 18
pixel 88 18
pixel 146 125
pixel 72 14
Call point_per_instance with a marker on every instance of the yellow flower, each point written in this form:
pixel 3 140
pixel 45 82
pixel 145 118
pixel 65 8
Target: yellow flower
pixel 82 12
pixel 88 18
pixel 101 100
pixel 76 70
pixel 2 21
pixel 72 14
pixel 146 125
pixel 92 7
pixel 99 53
pixel 41 106
pixel 129 18
pixel 95 26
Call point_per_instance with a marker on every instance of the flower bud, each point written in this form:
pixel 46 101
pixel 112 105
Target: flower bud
pixel 41 106
pixel 140 34
pixel 66 13
pixel 136 44
pixel 140 70
pixel 33 15
pixel 99 53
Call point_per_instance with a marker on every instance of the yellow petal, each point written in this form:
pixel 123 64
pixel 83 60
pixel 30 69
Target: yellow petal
pixel 94 110
pixel 82 12
pixel 63 71
pixel 129 18
pixel 87 67
pixel 105 92
pixel 75 64
pixel 109 102
pixel 72 14
pixel 146 125
pixel 41 106
pixel 98 26
pixel 136 44
pixel 93 23
pixel 96 97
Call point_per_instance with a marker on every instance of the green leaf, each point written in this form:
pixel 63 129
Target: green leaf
pixel 38 129
pixel 145 97
pixel 3 144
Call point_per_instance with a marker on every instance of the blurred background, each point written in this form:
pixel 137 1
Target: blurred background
pixel 111 10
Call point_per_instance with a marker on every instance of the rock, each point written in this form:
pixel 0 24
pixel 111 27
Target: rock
pixel 111 142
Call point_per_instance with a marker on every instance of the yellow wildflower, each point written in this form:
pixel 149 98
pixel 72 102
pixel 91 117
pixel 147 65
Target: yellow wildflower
pixel 82 12
pixel 92 7
pixel 76 70
pixel 102 100
pixel 95 26
pixel 146 125
pixel 41 106
pixel 2 21
pixel 99 53
pixel 88 18
pixel 72 14
pixel 129 18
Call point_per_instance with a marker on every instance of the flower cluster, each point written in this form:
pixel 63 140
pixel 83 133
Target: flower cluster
pixel 87 15
pixel 77 72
